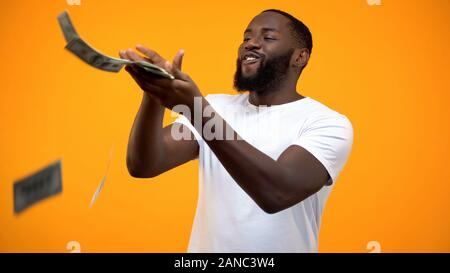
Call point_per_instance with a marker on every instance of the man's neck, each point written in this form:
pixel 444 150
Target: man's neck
pixel 275 97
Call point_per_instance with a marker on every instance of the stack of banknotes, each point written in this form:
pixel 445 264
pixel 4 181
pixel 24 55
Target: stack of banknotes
pixel 93 57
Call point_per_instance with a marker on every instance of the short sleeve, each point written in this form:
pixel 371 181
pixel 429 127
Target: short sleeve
pixel 329 139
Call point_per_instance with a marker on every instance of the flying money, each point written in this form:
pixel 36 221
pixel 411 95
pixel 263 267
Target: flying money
pixel 67 27
pixel 92 57
pixel 102 182
pixel 38 186
pixel 95 58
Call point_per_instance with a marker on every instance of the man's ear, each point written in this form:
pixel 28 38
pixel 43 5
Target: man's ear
pixel 301 57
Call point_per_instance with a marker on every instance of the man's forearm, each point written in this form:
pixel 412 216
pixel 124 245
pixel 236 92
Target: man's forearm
pixel 266 181
pixel 145 145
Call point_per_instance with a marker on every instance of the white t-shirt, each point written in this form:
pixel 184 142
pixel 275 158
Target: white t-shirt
pixel 227 219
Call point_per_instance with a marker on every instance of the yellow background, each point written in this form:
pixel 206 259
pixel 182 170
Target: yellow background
pixel 385 67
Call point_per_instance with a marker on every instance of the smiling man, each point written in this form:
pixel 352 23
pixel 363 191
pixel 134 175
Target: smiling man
pixel 264 188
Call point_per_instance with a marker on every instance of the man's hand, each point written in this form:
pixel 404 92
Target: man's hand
pixel 151 148
pixel 169 93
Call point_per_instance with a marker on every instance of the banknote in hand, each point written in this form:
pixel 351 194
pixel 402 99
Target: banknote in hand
pixel 95 58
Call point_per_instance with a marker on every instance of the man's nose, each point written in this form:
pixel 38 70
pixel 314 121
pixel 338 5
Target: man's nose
pixel 252 44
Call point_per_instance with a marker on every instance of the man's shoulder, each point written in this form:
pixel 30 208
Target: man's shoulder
pixel 320 112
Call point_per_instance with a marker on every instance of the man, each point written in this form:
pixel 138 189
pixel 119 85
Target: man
pixel 267 167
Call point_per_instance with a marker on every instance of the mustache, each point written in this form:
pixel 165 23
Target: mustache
pixel 251 53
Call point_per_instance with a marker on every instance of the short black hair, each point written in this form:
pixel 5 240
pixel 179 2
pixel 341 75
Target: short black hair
pixel 299 30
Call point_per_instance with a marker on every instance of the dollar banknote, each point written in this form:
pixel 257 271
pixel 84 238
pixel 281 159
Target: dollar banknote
pixel 95 58
pixel 66 26
pixel 102 182
pixel 38 186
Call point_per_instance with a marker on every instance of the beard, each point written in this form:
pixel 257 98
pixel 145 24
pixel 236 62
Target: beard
pixel 269 76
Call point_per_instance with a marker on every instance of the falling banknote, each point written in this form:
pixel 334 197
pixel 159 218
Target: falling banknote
pixel 95 58
pixel 38 186
pixel 102 182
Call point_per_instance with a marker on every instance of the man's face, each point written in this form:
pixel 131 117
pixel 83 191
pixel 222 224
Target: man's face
pixel 264 57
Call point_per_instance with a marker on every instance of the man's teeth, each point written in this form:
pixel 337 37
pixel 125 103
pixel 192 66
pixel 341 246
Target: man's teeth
pixel 250 58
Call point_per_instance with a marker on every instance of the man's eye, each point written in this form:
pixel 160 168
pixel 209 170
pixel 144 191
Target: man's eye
pixel 269 38
pixel 246 39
